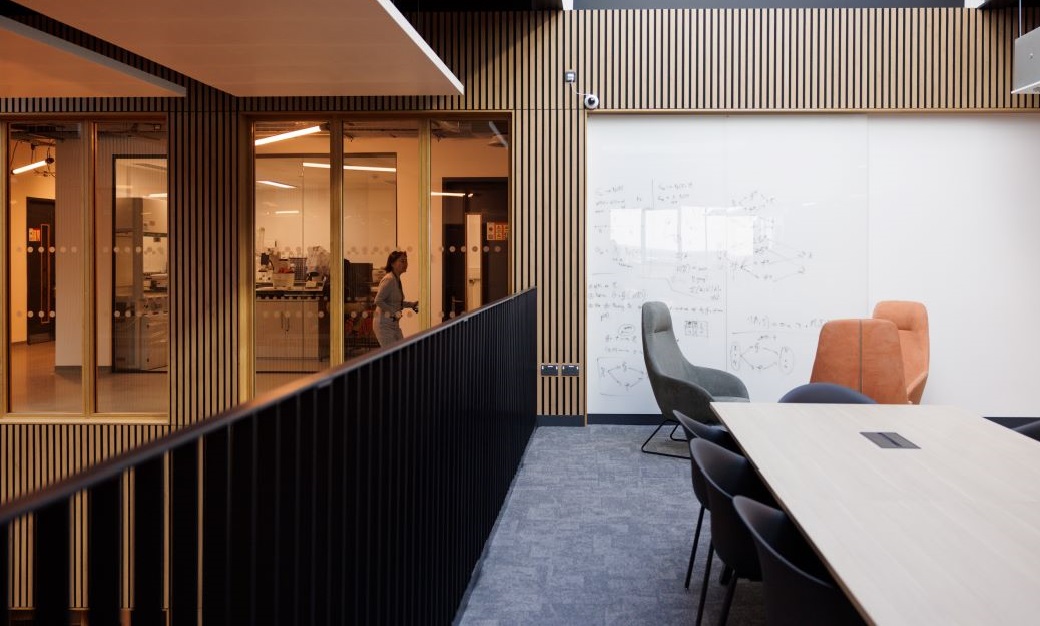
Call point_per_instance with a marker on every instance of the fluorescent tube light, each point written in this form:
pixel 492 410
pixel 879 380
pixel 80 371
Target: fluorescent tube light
pixel 450 194
pixel 275 184
pixel 361 168
pixel 156 195
pixel 289 135
pixel 369 168
pixel 28 168
pixel 286 212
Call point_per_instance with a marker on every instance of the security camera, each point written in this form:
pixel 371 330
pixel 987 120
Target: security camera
pixel 591 101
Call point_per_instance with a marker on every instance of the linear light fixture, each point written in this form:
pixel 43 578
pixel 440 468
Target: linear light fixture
pixel 157 195
pixel 310 130
pixel 452 194
pixel 28 168
pixel 294 212
pixel 360 168
pixel 275 184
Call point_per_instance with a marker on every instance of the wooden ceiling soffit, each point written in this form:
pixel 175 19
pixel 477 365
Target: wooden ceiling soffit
pixel 270 47
pixel 34 64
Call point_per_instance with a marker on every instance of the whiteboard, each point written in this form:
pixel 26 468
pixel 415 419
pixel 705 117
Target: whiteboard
pixel 756 229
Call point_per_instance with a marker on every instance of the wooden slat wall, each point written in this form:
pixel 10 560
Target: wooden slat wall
pixel 672 60
pixel 668 60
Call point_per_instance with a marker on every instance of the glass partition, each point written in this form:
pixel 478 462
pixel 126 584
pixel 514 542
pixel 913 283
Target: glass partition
pixel 291 251
pixel 469 208
pixel 133 308
pixel 45 267
pixel 380 215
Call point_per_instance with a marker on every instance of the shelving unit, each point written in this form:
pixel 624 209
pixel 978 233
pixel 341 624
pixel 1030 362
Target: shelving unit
pixel 140 305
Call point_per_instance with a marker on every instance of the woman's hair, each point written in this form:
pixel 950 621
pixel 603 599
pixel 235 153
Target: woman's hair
pixel 396 254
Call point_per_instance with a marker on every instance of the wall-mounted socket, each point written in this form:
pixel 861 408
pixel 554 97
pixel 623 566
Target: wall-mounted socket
pixel 550 369
pixel 570 369
pixel 570 76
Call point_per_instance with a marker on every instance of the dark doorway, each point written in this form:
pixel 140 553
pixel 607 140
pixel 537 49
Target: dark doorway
pixel 40 281
pixel 487 198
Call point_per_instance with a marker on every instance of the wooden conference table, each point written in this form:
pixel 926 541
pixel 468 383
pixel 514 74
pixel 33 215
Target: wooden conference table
pixel 947 533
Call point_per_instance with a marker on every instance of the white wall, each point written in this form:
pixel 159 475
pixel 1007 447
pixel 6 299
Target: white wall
pixel 954 221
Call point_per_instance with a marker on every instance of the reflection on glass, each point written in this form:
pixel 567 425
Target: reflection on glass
pixel 45 279
pixel 662 232
pixel 380 215
pixel 291 251
pixel 469 208
pixel 133 320
pixel 369 235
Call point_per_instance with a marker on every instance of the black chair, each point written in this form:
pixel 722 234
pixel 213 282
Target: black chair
pixel 715 433
pixel 665 364
pixel 796 587
pixel 727 474
pixel 699 490
pixel 826 393
pixel 1031 430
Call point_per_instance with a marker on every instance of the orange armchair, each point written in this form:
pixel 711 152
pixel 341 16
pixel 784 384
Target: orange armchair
pixel 862 354
pixel 911 318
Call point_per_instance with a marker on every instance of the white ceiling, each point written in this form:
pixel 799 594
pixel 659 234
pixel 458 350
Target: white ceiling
pixel 34 64
pixel 270 47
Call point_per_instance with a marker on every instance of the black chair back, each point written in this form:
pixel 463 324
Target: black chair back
pixel 1032 430
pixel 826 393
pixel 712 432
pixel 796 587
pixel 727 474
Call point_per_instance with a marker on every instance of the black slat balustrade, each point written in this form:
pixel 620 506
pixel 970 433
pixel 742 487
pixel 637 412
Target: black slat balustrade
pixel 363 494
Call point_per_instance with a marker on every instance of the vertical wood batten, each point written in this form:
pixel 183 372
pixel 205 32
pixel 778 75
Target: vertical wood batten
pixel 689 59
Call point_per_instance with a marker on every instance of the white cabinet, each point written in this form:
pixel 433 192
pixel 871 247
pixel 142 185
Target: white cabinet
pixel 291 334
pixel 140 343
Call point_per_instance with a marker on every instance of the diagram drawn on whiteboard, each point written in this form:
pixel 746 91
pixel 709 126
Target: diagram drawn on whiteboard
pixel 765 353
pixel 617 377
pixel 769 258
pixel 695 328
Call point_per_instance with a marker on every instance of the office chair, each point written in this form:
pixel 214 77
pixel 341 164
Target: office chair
pixel 862 354
pixel 716 434
pixel 665 364
pixel 726 475
pixel 796 586
pixel 911 318
pixel 825 393
pixel 1031 430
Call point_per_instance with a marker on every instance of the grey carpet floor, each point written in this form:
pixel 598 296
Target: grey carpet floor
pixel 596 532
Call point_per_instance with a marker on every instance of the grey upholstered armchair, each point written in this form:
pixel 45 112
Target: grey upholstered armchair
pixel 677 383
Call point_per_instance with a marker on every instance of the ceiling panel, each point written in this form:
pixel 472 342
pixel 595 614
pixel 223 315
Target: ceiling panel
pixel 270 47
pixel 34 64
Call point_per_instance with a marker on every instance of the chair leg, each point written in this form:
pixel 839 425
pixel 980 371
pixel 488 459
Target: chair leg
pixel 665 422
pixel 693 550
pixel 727 571
pixel 730 589
pixel 704 585
pixel 672 434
